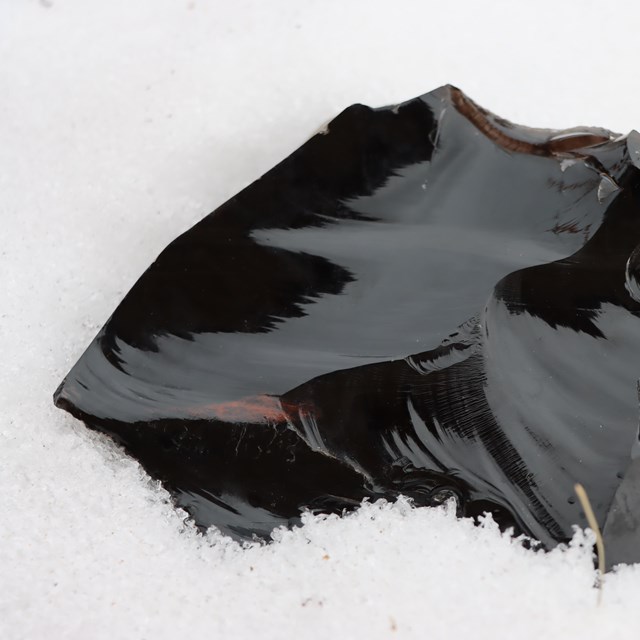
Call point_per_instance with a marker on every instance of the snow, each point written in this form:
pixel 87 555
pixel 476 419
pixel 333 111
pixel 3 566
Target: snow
pixel 121 124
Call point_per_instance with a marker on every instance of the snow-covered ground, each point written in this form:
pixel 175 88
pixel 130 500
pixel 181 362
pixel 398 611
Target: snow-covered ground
pixel 122 123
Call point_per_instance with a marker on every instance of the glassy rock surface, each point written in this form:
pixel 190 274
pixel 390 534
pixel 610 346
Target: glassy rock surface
pixel 423 299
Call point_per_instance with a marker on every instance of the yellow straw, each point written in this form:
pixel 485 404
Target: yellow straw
pixel 593 525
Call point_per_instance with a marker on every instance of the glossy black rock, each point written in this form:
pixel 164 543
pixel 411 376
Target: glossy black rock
pixel 424 299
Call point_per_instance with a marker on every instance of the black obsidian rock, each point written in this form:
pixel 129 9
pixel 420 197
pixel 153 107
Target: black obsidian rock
pixel 423 299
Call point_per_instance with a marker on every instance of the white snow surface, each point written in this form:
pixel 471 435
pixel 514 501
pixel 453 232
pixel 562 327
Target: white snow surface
pixel 124 122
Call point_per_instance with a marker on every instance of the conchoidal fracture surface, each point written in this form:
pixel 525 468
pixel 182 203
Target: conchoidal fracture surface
pixel 424 300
